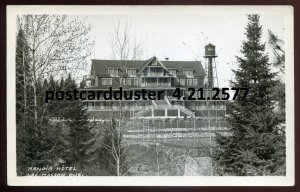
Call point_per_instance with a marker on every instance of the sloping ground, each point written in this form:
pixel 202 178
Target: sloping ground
pixel 169 158
pixel 198 166
pixel 151 159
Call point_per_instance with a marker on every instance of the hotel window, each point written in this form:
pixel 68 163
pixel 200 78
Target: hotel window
pixel 109 81
pixel 131 71
pixel 182 82
pixel 195 82
pixel 128 81
pixel 113 72
pixel 189 82
pixel 135 81
pixel 104 81
pixel 116 72
pixel 122 81
pixel 173 72
pixel 188 72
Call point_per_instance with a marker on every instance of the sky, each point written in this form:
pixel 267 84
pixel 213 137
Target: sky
pixel 183 37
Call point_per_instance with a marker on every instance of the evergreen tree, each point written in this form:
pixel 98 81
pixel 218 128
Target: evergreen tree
pixel 100 154
pixel 277 45
pixel 82 84
pixel 80 132
pixel 255 147
pixel 53 106
pixel 22 103
pixel 41 142
pixel 65 141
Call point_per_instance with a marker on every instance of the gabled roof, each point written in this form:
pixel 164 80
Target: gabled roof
pixel 151 61
pixel 100 67
pixel 210 45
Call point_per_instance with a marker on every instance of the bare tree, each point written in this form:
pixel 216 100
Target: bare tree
pixel 123 46
pixel 125 49
pixel 116 148
pixel 57 45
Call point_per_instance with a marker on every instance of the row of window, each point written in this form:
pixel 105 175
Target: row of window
pixel 123 81
pixel 135 81
pixel 115 72
pixel 106 81
pixel 188 82
pixel 128 81
pixel 189 72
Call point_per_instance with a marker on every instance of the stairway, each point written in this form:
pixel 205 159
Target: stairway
pixel 162 103
pixel 142 112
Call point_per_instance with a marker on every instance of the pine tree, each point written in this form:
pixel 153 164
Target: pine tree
pixel 255 145
pixel 22 103
pixel 64 141
pixel 80 132
pixel 38 139
pixel 53 106
pixel 100 154
pixel 277 45
pixel 82 84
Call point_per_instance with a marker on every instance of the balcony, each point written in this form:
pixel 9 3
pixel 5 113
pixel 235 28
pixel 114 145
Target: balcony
pixel 155 84
pixel 155 74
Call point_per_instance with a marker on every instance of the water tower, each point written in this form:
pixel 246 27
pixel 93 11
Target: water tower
pixel 210 66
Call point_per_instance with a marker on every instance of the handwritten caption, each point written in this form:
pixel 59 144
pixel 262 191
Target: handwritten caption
pixel 53 171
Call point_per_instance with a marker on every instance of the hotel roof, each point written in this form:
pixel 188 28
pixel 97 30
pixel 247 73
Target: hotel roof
pixel 100 67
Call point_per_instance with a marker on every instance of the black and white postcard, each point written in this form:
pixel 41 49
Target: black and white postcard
pixel 150 95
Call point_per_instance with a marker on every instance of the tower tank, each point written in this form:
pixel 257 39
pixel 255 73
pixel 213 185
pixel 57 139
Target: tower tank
pixel 210 54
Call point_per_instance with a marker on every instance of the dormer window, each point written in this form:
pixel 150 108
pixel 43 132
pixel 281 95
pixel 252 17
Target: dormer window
pixel 113 72
pixel 106 81
pixel 131 72
pixel 189 72
pixel 173 72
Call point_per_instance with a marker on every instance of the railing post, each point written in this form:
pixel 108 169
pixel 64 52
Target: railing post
pixel 152 112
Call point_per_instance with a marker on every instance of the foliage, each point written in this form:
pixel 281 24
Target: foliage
pixel 256 146
pixel 48 46
pixel 277 45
